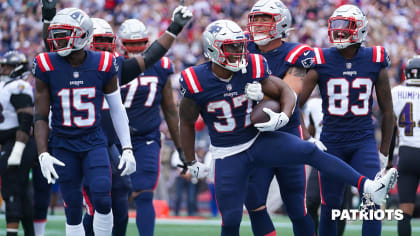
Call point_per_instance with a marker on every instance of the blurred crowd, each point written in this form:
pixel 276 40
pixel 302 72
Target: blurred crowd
pixel 392 23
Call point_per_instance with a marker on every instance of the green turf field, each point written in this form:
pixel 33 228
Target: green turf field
pixel 188 227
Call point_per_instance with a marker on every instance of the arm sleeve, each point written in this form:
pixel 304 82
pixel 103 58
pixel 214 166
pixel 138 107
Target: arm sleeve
pixel 130 69
pixel 119 117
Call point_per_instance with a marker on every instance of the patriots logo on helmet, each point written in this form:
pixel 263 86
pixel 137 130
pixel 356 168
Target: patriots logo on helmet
pixel 215 29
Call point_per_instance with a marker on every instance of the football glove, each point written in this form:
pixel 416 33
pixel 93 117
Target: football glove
pixel 184 164
pixel 317 143
pixel 128 159
pixel 16 155
pixel 48 10
pixel 254 91
pixel 198 169
pixel 180 17
pixel 277 120
pixel 47 163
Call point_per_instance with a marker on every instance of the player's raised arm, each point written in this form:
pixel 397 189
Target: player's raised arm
pixel 48 13
pixel 134 66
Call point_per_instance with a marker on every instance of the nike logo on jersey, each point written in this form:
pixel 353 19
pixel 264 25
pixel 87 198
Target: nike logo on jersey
pixel 149 142
pixel 382 186
pixel 306 53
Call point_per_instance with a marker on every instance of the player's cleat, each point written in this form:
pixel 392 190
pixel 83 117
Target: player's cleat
pixel 378 188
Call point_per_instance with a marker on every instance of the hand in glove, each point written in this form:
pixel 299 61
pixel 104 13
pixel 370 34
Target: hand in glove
pixel 180 17
pixel 277 120
pixel 128 159
pixel 48 10
pixel 47 163
pixel 198 169
pixel 254 91
pixel 317 143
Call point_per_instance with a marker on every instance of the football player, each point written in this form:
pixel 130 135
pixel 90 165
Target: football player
pixel 78 145
pixel 269 22
pixel 18 149
pixel 406 99
pixel 215 89
pixel 346 75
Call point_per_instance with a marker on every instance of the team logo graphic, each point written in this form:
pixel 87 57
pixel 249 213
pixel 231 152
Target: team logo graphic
pixel 228 87
pixel 348 65
pixel 76 74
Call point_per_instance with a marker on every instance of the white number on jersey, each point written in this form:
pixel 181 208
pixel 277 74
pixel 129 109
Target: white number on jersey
pixel 73 97
pixel 229 123
pixel 343 96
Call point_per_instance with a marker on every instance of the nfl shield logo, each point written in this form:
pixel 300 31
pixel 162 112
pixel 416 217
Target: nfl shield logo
pixel 348 65
pixel 229 87
pixel 76 74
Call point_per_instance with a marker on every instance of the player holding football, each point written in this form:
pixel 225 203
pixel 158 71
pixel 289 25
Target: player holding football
pixel 406 99
pixel 215 89
pixel 269 22
pixel 346 75
pixel 78 146
pixel 17 146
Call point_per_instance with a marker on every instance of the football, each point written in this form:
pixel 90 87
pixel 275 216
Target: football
pixel 258 115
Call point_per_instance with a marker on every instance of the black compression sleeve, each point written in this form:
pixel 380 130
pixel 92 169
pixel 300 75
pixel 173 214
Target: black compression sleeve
pixel 130 69
pixel 154 53
pixel 21 101
pixel 25 122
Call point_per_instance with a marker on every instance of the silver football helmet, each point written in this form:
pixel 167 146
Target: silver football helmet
pixel 103 38
pixel 132 37
pixel 225 44
pixel 268 20
pixel 70 30
pixel 348 25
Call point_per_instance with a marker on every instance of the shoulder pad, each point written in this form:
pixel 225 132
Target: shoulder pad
pixel 105 61
pixel 295 53
pixel 44 62
pixel 378 54
pixel 319 56
pixel 257 62
pixel 191 80
pixel 165 63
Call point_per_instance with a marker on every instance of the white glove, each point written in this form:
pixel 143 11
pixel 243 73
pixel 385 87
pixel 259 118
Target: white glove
pixel 317 143
pixel 47 166
pixel 16 156
pixel 254 91
pixel 383 160
pixel 199 170
pixel 277 120
pixel 128 159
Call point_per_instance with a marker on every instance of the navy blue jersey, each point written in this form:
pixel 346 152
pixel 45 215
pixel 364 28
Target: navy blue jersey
pixel 223 105
pixel 76 92
pixel 346 87
pixel 142 98
pixel 281 59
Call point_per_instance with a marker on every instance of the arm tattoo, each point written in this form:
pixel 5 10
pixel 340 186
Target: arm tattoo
pixel 298 72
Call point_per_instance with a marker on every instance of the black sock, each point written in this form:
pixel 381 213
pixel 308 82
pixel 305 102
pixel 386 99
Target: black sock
pixel 404 225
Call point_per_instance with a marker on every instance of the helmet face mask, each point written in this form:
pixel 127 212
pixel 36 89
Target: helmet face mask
pixel 134 47
pixel 347 26
pixel 103 42
pixel 268 20
pixel 70 30
pixel 103 38
pixel 225 44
